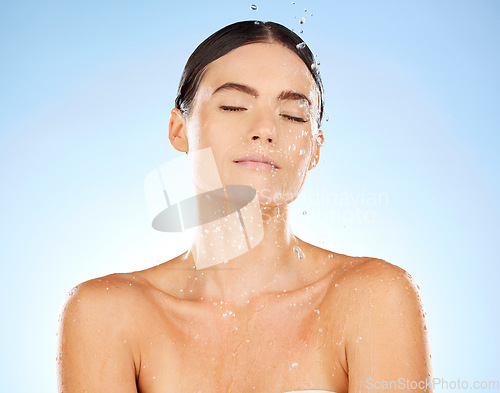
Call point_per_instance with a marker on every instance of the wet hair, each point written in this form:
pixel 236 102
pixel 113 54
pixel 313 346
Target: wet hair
pixel 234 36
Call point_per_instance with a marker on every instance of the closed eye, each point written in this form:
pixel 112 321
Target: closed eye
pixel 232 108
pixel 293 118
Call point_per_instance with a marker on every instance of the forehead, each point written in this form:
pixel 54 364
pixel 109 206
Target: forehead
pixel 268 67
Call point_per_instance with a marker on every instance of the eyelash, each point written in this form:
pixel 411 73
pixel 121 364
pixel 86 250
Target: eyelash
pixel 237 109
pixel 232 109
pixel 296 119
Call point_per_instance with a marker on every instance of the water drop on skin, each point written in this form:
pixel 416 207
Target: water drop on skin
pixel 253 7
pixel 299 252
pixel 294 365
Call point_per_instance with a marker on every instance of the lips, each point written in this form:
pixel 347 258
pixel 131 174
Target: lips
pixel 257 158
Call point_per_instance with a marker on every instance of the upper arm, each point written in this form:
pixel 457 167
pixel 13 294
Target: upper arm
pixel 94 354
pixel 387 347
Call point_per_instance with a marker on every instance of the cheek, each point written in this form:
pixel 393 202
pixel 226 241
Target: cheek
pixel 298 148
pixel 205 131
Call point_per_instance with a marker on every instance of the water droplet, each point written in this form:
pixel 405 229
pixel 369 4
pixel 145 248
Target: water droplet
pixel 302 151
pixel 293 2
pixel 302 20
pixel 292 147
pixel 304 212
pixel 311 14
pixel 253 7
pixel 294 365
pixel 328 118
pixel 299 252
pixel 336 285
pixel 302 45
pixel 314 66
pixel 330 256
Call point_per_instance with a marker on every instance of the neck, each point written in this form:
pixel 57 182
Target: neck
pixel 266 267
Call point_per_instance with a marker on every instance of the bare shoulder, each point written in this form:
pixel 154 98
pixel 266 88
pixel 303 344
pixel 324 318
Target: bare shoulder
pixel 104 295
pixel 374 282
pixel 380 280
pixel 385 329
pixel 374 271
pixel 96 335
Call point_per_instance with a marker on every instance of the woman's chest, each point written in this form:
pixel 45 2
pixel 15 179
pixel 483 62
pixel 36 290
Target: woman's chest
pixel 272 347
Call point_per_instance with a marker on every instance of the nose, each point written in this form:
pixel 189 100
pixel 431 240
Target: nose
pixel 264 126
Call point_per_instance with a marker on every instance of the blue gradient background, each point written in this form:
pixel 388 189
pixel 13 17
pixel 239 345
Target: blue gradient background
pixel 412 92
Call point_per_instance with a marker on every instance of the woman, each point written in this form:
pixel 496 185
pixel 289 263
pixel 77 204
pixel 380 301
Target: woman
pixel 284 315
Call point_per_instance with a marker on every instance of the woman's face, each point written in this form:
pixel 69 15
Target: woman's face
pixel 262 99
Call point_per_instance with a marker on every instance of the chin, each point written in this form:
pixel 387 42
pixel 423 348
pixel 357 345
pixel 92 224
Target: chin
pixel 270 191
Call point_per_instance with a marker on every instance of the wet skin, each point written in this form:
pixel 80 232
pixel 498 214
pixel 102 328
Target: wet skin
pixel 266 321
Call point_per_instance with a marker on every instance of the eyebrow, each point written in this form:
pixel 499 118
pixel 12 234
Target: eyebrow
pixel 284 95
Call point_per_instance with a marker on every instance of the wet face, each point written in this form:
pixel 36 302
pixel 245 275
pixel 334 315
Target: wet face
pixel 257 108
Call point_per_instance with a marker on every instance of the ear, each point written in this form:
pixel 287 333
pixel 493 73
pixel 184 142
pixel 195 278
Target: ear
pixel 177 131
pixel 320 138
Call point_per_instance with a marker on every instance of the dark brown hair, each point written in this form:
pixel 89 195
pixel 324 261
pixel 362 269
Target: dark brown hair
pixel 232 37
